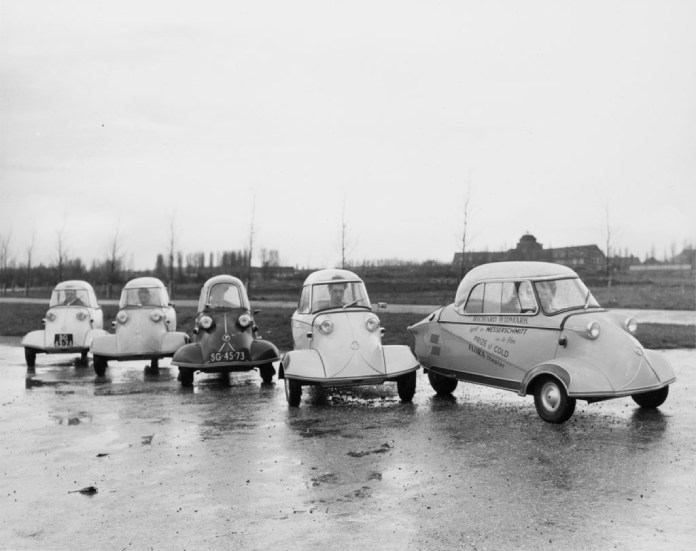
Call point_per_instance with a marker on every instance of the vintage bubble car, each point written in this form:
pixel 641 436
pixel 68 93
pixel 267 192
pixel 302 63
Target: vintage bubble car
pixel 225 335
pixel 73 320
pixel 145 327
pixel 338 340
pixel 535 328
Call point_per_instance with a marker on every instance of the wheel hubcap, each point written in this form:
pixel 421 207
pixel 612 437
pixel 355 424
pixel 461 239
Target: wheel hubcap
pixel 550 396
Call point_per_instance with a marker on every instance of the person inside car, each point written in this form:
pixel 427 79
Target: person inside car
pixel 71 298
pixel 336 293
pixel 143 296
pixel 218 297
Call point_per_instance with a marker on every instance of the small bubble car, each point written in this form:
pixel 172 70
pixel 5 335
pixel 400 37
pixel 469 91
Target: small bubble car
pixel 535 328
pixel 225 335
pixel 338 340
pixel 73 320
pixel 145 327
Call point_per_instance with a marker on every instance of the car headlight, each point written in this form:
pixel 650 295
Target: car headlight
pixel 631 325
pixel 593 329
pixel 51 316
pixel 372 324
pixel 156 315
pixel 206 322
pixel 325 325
pixel 122 317
pixel 81 315
pixel 244 320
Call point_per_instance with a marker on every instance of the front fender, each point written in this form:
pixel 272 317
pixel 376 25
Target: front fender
pixel 263 352
pixel 34 339
pixel 93 334
pixel 398 358
pixel 172 341
pixel 105 345
pixel 579 377
pixel 660 366
pixel 188 355
pixel 303 364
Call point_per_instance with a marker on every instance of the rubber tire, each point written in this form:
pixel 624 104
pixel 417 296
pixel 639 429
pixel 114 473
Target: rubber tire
pixel 406 386
pixel 651 399
pixel 267 371
pixel 30 357
pixel 293 392
pixel 83 361
pixel 100 365
pixel 186 377
pixel 552 402
pixel 441 384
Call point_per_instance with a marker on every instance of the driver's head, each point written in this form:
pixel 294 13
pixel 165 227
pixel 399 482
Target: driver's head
pixel 336 292
pixel 143 296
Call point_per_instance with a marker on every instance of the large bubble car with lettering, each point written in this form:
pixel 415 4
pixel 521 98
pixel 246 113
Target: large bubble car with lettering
pixel 338 340
pixel 535 328
pixel 225 335
pixel 74 318
pixel 144 329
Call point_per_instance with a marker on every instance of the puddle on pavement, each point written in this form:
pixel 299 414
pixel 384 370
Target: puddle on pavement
pixel 71 418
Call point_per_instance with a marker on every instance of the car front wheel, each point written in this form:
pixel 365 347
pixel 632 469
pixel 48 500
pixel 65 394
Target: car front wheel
pixel 441 384
pixel 552 402
pixel 651 399
pixel 267 372
pixel 186 376
pixel 406 386
pixel 30 357
pixel 100 365
pixel 293 392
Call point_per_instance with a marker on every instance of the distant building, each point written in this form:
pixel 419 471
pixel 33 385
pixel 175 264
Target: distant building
pixel 587 258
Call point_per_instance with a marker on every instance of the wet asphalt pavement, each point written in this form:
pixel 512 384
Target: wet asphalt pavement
pixel 228 465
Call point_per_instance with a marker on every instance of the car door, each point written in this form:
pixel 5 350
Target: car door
pixel 301 321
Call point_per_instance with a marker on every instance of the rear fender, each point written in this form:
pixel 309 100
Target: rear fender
pixel 303 364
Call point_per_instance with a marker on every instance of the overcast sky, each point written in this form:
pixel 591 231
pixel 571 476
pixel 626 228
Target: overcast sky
pixel 140 116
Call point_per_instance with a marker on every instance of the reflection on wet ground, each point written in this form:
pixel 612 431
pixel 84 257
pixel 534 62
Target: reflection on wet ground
pixel 228 464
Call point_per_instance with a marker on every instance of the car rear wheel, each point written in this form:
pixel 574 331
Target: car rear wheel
pixel 552 402
pixel 30 357
pixel 406 386
pixel 100 365
pixel 267 372
pixel 293 392
pixel 441 384
pixel 651 399
pixel 186 376
pixel 82 361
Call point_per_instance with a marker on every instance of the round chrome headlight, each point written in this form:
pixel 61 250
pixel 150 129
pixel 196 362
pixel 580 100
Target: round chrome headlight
pixel 51 316
pixel 122 317
pixel 631 325
pixel 372 324
pixel 206 322
pixel 325 326
pixel 156 315
pixel 244 320
pixel 81 315
pixel 593 329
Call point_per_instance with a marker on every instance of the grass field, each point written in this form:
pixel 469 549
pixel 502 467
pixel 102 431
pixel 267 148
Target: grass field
pixel 17 319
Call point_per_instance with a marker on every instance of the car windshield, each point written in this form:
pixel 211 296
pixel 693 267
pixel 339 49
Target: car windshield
pixel 143 296
pixel 564 294
pixel 69 297
pixel 341 294
pixel 224 295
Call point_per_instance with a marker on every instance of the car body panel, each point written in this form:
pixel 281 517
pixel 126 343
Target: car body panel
pixel 350 353
pixel 69 325
pixel 226 345
pixel 510 350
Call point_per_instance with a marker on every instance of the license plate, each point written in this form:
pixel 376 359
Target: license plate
pixel 63 340
pixel 229 356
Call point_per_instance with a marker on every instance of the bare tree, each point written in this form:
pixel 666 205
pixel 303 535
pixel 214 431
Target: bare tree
pixel 609 235
pixel 29 251
pixel 172 243
pixel 5 257
pixel 465 237
pixel 61 251
pixel 114 262
pixel 252 231
pixel 346 244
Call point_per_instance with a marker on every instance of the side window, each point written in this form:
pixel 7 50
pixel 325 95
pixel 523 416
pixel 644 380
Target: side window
pixel 492 298
pixel 474 305
pixel 303 306
pixel 526 297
